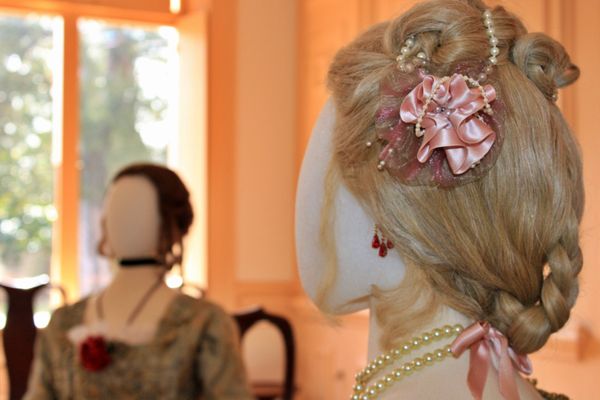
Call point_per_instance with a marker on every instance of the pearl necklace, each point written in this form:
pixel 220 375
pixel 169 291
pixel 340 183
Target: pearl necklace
pixel 363 391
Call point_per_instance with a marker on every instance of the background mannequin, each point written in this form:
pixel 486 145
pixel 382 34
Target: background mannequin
pixel 138 338
pixel 131 221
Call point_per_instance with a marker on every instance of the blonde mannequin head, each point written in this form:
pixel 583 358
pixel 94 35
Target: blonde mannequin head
pixel 503 248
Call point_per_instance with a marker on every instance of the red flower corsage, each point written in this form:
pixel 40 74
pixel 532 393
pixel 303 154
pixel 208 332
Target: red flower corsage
pixel 94 353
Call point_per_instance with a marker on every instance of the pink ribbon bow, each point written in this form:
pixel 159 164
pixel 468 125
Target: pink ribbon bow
pixel 450 121
pixel 483 340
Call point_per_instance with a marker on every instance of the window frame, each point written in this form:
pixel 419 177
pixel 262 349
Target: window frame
pixel 64 264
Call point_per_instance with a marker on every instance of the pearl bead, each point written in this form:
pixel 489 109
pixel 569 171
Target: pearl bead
pixel 408 368
pixel 389 379
pixel 369 144
pixel 365 397
pixel 494 51
pixel 493 60
pixel 372 392
pixel 355 397
pixel 487 14
pixel 406 347
pixel 397 374
pixel 426 338
pixel 418 363
pixel 416 343
pixel 380 385
pixel 488 22
pixel 437 334
pixel 416 62
pixel 404 50
pixel 409 68
pixel 447 330
pixel 421 55
pixel 490 31
pixel 448 349
pixel 439 355
pixel 481 77
pixel 429 358
pixel 396 353
pixel 494 40
pixel 410 42
pixel 359 388
pixel 458 328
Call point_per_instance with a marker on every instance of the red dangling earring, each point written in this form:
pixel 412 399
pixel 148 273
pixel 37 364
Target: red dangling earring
pixel 382 243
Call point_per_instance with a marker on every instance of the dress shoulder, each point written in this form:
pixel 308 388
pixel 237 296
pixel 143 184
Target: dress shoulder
pixel 67 316
pixel 220 367
pixel 186 309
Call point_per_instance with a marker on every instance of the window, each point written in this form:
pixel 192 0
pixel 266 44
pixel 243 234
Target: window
pixel 26 198
pixel 27 54
pixel 84 91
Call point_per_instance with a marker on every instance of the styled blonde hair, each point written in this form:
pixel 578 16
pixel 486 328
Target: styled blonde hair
pixel 503 248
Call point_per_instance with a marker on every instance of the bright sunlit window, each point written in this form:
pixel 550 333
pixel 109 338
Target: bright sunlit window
pixel 26 174
pixel 128 93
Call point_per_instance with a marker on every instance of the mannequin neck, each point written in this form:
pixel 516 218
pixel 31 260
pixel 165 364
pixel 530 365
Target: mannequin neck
pixel 444 316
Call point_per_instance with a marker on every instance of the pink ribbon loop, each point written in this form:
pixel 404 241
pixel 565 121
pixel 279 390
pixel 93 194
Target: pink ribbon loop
pixel 450 121
pixel 484 340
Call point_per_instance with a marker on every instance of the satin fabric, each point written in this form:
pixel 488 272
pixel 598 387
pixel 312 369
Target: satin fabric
pixel 484 340
pixel 451 122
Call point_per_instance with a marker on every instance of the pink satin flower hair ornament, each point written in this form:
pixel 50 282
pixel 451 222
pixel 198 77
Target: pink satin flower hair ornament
pixel 439 131
pixel 487 345
pixel 445 112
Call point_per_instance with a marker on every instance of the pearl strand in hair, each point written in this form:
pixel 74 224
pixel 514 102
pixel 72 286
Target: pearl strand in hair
pixel 419 61
pixel 494 50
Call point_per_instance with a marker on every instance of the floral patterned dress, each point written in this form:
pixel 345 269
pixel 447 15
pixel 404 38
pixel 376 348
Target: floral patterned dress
pixel 194 355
